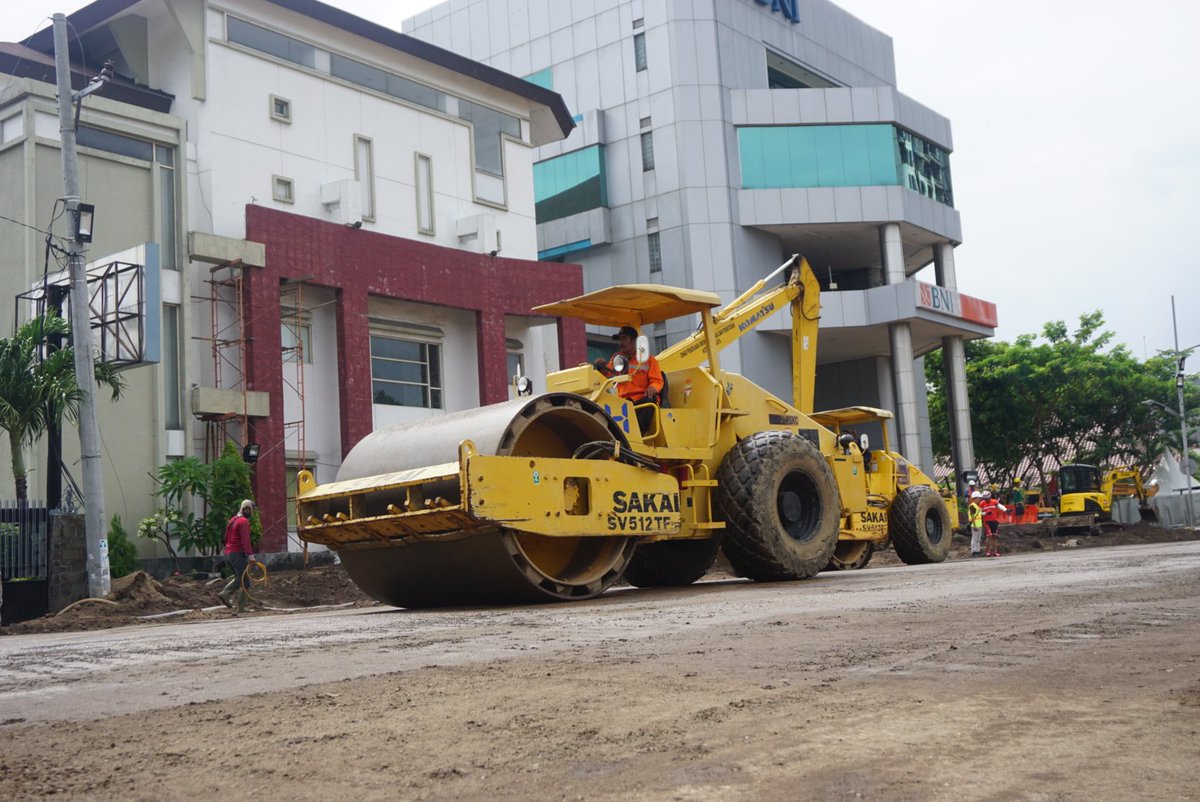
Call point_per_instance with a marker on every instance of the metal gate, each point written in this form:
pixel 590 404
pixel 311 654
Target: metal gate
pixel 24 548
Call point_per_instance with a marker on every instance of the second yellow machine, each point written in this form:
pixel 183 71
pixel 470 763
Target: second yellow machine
pixel 560 495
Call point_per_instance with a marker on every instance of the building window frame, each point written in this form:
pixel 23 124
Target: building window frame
pixel 280 109
pixel 647 151
pixel 283 189
pixel 639 52
pixel 295 338
pixel 423 186
pixel 654 251
pixel 364 174
pixel 392 353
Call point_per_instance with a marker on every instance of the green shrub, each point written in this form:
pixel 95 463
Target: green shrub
pixel 122 554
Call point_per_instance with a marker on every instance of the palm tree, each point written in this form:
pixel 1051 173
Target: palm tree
pixel 34 381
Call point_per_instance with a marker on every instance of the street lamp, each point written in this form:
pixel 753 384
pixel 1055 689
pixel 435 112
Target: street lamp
pixel 85 213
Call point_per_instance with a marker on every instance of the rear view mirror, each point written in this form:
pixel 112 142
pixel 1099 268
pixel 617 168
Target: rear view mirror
pixel 619 363
pixel 643 348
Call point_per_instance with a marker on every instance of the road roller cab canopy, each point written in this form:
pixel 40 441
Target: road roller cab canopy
pixel 632 305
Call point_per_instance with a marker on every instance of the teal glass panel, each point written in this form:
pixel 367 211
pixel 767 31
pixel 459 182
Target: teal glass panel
pixel 842 156
pixel 569 184
pixel 881 154
pixel 827 139
pixel 543 78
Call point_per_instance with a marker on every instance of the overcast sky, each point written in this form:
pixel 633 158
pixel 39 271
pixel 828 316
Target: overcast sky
pixel 1076 165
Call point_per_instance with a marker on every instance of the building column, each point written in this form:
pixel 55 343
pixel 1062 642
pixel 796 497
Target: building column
pixel 354 367
pixel 262 359
pixel 954 363
pixel 900 337
pixel 492 355
pixel 572 342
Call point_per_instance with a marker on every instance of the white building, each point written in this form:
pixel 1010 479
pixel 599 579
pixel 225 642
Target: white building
pixel 345 217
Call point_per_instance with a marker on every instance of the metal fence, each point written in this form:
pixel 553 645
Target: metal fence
pixel 24 553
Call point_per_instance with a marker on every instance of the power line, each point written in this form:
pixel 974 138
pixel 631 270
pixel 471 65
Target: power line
pixel 32 228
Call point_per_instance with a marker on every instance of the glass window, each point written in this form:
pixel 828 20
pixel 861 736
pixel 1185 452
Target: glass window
pixel 783 73
pixel 647 151
pixel 358 73
pixel 639 51
pixel 88 137
pixel 655 251
pixel 516 364
pixel 281 189
pixel 167 221
pixel 925 166
pixel 842 155
pixel 569 184
pixel 270 42
pixel 296 339
pixel 405 373
pixel 424 169
pixel 489 124
pixel 172 412
pixel 292 489
pixel 281 109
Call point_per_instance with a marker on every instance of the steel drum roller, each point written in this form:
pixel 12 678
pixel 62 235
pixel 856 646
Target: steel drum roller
pixel 492 565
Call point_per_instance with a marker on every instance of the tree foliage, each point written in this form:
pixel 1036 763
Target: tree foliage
pixel 1064 396
pixel 217 489
pixel 38 386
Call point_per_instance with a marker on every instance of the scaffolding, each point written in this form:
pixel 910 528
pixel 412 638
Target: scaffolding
pixel 228 340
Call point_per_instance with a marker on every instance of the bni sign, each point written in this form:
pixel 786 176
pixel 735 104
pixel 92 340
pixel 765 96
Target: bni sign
pixel 790 9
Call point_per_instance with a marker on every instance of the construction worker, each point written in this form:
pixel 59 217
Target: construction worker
pixel 239 553
pixel 645 378
pixel 1018 500
pixel 975 519
pixel 991 508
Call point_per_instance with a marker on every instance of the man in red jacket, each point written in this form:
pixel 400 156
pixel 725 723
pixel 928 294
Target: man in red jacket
pixel 239 553
pixel 991 508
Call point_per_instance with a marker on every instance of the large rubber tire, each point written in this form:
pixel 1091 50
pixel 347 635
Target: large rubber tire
pixel 671 563
pixel 851 555
pixel 919 525
pixel 780 505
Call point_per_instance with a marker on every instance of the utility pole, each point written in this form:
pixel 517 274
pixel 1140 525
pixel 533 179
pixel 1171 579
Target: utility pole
pixel 1184 460
pixel 99 582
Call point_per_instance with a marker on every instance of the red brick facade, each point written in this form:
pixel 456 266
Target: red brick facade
pixel 358 264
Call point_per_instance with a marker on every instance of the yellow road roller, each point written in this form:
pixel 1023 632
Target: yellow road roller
pixel 558 496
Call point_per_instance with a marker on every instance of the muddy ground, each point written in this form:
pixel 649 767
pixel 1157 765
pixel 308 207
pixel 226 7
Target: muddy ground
pixel 1055 675
pixel 139 599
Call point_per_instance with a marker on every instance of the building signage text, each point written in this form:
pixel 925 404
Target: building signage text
pixel 790 9
pixel 955 304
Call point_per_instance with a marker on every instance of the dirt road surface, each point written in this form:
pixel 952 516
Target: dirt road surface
pixel 1066 675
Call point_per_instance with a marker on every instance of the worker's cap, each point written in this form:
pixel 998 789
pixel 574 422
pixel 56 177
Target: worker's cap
pixel 987 494
pixel 246 504
pixel 1016 481
pixel 626 331
pixel 977 494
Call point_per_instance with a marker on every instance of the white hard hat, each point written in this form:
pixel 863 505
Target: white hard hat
pixel 976 494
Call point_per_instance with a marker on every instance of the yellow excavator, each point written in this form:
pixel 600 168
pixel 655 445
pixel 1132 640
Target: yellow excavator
pixel 558 496
pixel 1087 495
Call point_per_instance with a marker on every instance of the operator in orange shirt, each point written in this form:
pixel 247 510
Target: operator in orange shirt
pixel 645 378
